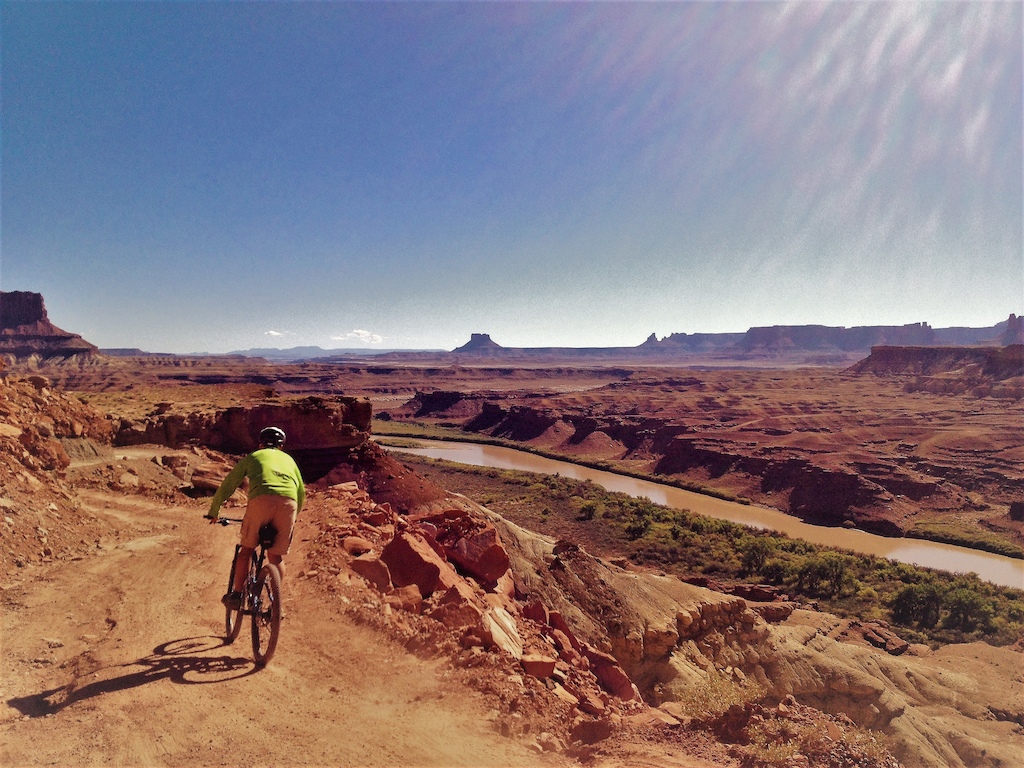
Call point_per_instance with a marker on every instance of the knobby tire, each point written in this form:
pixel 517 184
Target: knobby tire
pixel 233 619
pixel 266 617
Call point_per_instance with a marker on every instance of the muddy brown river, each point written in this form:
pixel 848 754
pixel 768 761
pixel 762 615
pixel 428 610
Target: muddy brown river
pixel 998 569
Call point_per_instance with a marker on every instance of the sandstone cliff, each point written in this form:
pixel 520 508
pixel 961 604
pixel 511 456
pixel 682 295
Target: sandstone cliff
pixel 994 371
pixel 994 363
pixel 321 431
pixel 25 329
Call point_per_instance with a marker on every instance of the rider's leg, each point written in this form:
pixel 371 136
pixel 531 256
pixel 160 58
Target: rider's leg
pixel 276 560
pixel 241 568
pixel 284 511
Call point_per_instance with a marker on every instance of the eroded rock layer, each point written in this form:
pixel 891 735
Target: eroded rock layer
pixel 25 329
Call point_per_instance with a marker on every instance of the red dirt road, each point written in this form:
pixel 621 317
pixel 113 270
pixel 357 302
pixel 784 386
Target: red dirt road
pixel 117 659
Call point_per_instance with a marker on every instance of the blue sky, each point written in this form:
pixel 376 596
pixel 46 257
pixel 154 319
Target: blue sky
pixel 184 176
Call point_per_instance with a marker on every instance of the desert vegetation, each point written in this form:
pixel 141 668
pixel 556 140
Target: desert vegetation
pixel 928 606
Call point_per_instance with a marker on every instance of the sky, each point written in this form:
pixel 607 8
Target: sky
pixel 213 176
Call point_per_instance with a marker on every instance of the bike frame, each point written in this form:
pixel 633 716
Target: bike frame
pixel 261 597
pixel 256 561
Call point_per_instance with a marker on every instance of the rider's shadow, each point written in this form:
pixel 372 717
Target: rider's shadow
pixel 176 660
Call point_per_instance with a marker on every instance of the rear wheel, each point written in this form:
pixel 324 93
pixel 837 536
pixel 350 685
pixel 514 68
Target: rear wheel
pixel 266 617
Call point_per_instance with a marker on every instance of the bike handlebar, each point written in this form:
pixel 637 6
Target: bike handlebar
pixel 225 520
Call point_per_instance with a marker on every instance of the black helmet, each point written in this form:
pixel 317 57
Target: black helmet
pixel 272 437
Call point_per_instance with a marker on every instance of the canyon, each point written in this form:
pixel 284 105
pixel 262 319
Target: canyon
pixel 534 650
pixel 579 656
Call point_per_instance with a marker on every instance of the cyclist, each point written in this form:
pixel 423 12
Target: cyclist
pixel 276 495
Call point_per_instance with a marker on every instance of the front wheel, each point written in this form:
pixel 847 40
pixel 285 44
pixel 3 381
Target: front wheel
pixel 266 617
pixel 233 619
pixel 233 624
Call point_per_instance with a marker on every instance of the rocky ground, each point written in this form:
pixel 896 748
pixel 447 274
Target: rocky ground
pixel 436 632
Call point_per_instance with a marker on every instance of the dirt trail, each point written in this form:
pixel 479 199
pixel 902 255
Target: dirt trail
pixel 117 659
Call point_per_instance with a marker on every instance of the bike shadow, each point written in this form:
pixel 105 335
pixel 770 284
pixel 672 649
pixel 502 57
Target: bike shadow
pixel 185 661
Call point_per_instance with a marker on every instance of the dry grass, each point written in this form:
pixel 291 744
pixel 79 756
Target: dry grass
pixel 775 743
pixel 708 700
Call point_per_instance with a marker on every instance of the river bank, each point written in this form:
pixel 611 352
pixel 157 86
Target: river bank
pixel 998 569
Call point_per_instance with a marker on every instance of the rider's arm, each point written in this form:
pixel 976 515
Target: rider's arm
pixel 300 492
pixel 227 487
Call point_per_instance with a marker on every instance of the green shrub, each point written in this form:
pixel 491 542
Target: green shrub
pixel 823 574
pixel 918 604
pixel 967 611
pixel 756 551
pixel 775 572
pixel 638 526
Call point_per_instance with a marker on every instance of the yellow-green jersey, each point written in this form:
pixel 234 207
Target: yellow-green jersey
pixel 271 471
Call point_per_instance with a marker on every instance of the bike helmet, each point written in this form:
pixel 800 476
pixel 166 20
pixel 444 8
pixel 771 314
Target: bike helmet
pixel 272 437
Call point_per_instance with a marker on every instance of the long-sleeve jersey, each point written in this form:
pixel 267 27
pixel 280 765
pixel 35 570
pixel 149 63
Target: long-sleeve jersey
pixel 270 471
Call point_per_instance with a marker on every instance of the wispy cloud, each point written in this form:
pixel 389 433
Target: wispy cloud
pixel 275 334
pixel 360 336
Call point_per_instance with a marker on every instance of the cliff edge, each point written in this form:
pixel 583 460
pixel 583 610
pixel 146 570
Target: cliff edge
pixel 25 330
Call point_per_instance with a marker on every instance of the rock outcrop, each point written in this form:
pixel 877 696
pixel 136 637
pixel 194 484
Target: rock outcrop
pixel 321 431
pixel 41 430
pixel 452 567
pixel 674 640
pixel 25 329
pixel 1014 333
pixel 994 363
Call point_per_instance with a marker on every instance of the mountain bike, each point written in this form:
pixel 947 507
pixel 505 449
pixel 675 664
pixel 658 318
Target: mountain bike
pixel 261 597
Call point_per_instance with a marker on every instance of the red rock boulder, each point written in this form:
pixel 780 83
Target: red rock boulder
pixel 609 674
pixel 469 542
pixel 411 560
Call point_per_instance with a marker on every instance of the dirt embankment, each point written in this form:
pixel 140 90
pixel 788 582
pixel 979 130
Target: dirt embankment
pixel 40 431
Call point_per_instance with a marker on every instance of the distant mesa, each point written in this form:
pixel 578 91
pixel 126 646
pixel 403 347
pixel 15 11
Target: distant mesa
pixel 25 330
pixel 1014 333
pixel 766 342
pixel 814 337
pixel 480 343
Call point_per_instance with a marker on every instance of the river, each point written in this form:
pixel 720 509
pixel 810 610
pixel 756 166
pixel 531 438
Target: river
pixel 998 569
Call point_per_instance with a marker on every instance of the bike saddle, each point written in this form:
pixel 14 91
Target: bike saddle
pixel 267 534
